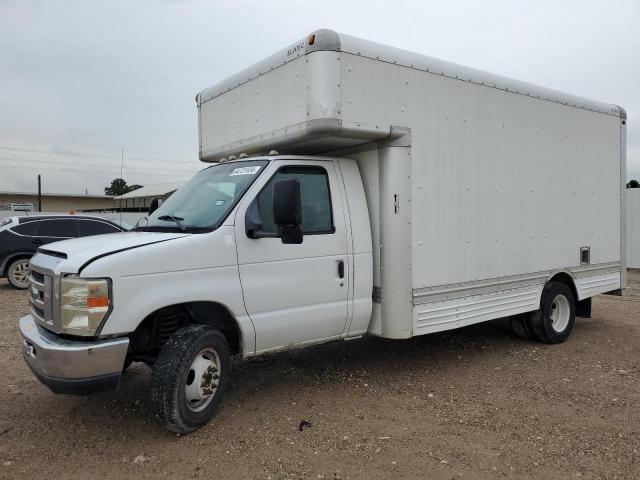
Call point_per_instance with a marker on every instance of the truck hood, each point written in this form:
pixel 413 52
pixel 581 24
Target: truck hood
pixel 79 252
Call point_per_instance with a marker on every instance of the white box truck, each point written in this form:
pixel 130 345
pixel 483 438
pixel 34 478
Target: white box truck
pixel 354 189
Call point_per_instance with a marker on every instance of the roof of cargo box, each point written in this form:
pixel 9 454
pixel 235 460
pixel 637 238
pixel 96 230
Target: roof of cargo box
pixel 329 40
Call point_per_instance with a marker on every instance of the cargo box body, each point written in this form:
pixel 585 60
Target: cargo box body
pixel 479 188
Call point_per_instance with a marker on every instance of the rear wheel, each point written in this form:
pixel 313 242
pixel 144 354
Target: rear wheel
pixel 189 378
pixel 521 326
pixel 553 322
pixel 18 273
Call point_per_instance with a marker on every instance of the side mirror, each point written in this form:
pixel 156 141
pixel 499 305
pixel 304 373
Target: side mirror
pixel 155 203
pixel 287 210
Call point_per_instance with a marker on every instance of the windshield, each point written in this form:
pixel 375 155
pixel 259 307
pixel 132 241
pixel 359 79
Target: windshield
pixel 204 201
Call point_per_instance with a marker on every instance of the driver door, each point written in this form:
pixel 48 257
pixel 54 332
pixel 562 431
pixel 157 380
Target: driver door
pixel 296 294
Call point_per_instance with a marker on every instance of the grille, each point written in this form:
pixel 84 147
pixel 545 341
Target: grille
pixel 37 276
pixel 40 285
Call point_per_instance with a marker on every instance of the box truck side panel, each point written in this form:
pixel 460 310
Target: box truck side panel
pixel 506 189
pixel 395 241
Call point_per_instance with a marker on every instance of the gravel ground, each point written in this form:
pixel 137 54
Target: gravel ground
pixel 474 403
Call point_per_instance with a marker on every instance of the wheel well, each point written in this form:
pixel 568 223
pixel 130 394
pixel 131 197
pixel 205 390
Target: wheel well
pixel 583 307
pixel 9 260
pixel 154 331
pixel 564 277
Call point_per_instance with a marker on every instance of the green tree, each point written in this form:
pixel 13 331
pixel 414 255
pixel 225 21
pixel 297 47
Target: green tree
pixel 633 184
pixel 119 187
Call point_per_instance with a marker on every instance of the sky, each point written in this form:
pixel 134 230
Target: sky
pixel 85 83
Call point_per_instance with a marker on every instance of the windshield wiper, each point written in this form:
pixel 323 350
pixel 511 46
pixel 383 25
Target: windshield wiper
pixel 174 219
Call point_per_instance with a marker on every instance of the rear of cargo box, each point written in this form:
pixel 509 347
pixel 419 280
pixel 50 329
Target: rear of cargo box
pixel 479 188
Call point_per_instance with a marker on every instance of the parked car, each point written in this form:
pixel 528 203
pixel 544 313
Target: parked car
pixel 20 237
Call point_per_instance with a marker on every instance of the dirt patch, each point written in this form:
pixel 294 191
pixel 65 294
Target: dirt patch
pixel 473 403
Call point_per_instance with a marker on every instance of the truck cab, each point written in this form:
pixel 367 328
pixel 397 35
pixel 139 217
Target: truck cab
pixel 261 251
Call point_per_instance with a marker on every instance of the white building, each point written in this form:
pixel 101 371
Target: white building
pixel 141 198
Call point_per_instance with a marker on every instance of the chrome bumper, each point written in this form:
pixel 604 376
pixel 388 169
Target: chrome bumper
pixel 72 366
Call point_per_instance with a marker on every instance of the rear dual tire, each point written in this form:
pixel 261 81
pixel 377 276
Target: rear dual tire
pixel 553 321
pixel 521 326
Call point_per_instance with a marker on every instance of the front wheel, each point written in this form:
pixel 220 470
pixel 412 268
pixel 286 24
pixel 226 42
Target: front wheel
pixel 189 378
pixel 18 273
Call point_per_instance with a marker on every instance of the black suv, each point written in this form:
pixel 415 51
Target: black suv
pixel 20 237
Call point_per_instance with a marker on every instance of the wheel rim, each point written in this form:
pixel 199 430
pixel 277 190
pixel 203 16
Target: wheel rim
pixel 560 313
pixel 19 273
pixel 203 379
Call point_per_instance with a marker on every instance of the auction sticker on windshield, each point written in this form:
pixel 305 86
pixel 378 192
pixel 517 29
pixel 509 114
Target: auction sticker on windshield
pixel 245 171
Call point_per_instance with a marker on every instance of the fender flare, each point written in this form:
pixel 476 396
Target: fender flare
pixel 565 273
pixel 207 312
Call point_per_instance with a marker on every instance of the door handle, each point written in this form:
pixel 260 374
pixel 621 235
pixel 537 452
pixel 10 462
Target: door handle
pixel 341 268
pixel 37 241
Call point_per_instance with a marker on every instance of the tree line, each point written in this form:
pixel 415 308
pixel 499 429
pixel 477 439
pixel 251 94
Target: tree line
pixel 119 187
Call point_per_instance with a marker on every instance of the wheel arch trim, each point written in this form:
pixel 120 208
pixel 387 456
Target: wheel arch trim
pixel 563 275
pixel 213 313
pixel 11 257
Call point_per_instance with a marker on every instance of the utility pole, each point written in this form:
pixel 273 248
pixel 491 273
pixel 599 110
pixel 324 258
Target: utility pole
pixel 121 167
pixel 39 195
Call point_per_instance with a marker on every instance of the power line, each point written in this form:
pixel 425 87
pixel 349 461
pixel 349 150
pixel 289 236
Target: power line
pixel 77 164
pixel 79 154
pixel 104 169
pixel 95 171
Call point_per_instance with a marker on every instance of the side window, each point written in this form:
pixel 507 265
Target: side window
pixel 95 227
pixel 28 228
pixel 63 228
pixel 317 216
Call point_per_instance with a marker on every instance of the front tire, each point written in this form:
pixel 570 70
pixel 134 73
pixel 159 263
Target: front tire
pixel 189 378
pixel 553 322
pixel 18 273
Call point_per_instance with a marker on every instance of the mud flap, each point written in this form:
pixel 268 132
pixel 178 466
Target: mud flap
pixel 583 308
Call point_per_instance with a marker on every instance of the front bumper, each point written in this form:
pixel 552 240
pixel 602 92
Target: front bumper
pixel 72 367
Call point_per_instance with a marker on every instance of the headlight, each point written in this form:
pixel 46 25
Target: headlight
pixel 84 303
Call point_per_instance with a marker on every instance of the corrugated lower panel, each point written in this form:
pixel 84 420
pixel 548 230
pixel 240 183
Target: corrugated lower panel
pixel 459 312
pixel 588 286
